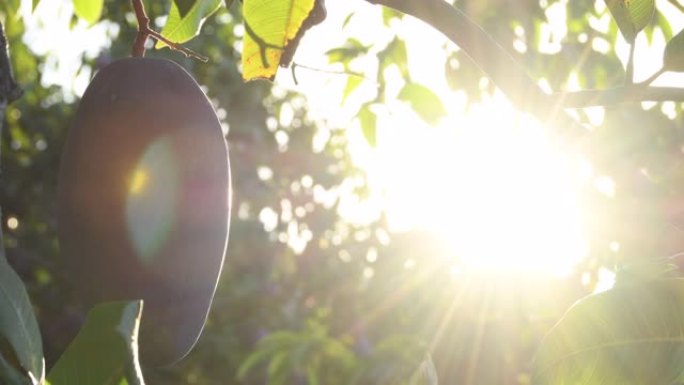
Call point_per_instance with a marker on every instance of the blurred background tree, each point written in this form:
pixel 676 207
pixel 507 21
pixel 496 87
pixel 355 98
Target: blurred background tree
pixel 312 291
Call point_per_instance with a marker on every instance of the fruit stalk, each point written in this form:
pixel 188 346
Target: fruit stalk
pixel 144 31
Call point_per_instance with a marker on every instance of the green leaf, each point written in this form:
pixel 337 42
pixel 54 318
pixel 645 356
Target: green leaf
pixel 424 102
pixel 184 6
pixel 631 16
pixel 395 54
pixel 105 351
pixel 368 121
pixel 347 19
pixel 180 29
pixel 353 82
pixel 632 334
pixel 351 49
pixel 18 326
pixel 389 14
pixel 664 24
pixel 11 7
pixel 34 4
pixel 673 58
pixel 270 26
pixel 88 10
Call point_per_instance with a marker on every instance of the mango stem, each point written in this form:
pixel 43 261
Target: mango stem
pixel 144 32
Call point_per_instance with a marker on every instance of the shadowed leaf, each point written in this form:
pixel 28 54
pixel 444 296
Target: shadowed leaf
pixel 673 58
pixel 105 351
pixel 18 324
pixel 631 16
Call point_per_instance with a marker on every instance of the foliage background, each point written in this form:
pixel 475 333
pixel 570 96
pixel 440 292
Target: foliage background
pixel 345 308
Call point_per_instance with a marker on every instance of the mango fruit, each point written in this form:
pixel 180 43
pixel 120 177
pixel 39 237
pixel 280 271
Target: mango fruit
pixel 143 205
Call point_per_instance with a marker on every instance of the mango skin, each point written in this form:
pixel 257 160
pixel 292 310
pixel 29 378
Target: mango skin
pixel 144 200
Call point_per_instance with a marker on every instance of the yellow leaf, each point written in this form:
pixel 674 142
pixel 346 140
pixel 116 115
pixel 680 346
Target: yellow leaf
pixel 270 25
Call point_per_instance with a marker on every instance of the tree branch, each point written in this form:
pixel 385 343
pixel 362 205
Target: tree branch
pixel 677 5
pixel 628 94
pixel 497 63
pixel 143 29
pixel 9 90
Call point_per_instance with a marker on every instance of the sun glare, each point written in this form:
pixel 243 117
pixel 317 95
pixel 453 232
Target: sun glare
pixel 488 180
pixel 492 185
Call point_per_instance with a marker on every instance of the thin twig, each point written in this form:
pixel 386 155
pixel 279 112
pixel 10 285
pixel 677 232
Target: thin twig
pixel 177 47
pixel 144 32
pixel 653 77
pixel 296 65
pixel 613 96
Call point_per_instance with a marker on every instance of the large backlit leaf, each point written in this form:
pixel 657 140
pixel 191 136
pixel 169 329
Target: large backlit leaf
pixel 424 102
pixel 179 28
pixel 20 343
pixel 105 351
pixel 88 10
pixel 673 59
pixel 631 16
pixel 270 25
pixel 632 334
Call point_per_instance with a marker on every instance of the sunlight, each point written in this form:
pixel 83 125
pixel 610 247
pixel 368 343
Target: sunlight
pixel 495 188
pixel 488 180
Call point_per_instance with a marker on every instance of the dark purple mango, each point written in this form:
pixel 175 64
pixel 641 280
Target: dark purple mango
pixel 144 200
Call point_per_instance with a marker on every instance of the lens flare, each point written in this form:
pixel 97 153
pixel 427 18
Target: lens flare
pixel 152 202
pixel 138 181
